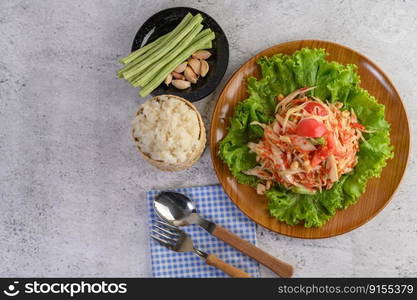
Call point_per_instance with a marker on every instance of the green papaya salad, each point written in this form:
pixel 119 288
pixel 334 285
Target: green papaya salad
pixel 308 137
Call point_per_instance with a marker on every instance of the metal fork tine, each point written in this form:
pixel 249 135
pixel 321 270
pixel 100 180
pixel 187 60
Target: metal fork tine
pixel 161 241
pixel 171 239
pixel 174 228
pixel 173 234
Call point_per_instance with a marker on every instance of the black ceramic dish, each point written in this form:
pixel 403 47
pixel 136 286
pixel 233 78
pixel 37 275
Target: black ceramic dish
pixel 165 21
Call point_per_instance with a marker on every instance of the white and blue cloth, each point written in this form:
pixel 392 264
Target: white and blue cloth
pixel 214 205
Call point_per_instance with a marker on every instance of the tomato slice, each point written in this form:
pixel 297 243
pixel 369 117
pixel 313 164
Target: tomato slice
pixel 316 160
pixel 325 151
pixel 315 109
pixel 319 156
pixel 359 126
pixel 310 128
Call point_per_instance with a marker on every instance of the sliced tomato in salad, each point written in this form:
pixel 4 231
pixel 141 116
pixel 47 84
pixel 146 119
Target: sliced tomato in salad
pixel 358 126
pixel 315 108
pixel 317 159
pixel 326 150
pixel 310 128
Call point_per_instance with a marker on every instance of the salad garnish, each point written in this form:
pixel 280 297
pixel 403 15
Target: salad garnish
pixel 308 146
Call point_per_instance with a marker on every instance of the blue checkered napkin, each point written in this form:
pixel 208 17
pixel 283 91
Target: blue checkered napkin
pixel 214 205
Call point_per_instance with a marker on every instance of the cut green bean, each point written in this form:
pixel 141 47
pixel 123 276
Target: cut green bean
pixel 159 78
pixel 152 72
pixel 141 58
pixel 126 68
pixel 133 62
pixel 145 54
pixel 147 76
pixel 132 56
pixel 209 45
pixel 135 54
pixel 133 79
pixel 165 47
pixel 202 34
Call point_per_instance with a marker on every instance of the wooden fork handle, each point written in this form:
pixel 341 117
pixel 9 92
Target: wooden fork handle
pixel 279 267
pixel 214 261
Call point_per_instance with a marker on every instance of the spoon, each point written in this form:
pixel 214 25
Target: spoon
pixel 179 210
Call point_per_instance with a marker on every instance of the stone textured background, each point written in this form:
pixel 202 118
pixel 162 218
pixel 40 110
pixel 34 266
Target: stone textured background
pixel 72 185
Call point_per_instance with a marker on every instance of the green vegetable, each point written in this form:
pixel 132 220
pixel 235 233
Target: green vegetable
pixel 165 47
pixel 301 190
pixel 138 56
pixel 282 74
pixel 208 45
pixel 132 56
pixel 135 60
pixel 144 79
pixel 318 141
pixel 159 78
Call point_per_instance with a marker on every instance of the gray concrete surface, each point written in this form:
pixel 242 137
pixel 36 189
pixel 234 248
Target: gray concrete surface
pixel 73 186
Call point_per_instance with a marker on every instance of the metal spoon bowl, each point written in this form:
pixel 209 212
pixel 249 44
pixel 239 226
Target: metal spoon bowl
pixel 179 210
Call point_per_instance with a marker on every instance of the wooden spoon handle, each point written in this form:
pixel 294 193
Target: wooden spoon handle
pixel 274 264
pixel 214 261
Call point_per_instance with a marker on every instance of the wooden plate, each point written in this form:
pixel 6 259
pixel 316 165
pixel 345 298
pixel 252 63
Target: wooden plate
pixel 379 190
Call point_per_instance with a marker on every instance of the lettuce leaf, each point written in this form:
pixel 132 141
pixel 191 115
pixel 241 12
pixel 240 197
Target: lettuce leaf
pixel 282 74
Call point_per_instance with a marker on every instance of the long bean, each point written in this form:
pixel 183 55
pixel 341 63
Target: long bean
pixel 127 67
pixel 144 55
pixel 159 78
pixel 151 71
pixel 165 47
pixel 209 45
pixel 151 50
pixel 133 62
pixel 147 76
pixel 135 54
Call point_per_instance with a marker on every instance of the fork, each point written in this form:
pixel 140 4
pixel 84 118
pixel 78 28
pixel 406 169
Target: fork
pixel 177 240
